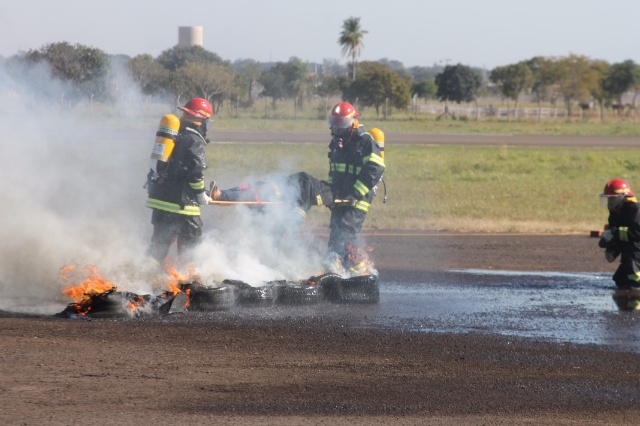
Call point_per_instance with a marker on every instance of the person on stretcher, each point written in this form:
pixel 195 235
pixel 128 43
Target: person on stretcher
pixel 300 191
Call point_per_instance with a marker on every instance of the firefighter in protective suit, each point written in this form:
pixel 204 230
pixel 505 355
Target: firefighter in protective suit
pixel 622 238
pixel 355 168
pixel 176 187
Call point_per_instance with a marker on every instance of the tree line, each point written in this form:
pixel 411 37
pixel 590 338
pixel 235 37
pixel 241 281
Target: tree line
pixel 84 73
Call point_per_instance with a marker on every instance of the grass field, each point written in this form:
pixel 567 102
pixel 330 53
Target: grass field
pixel 459 188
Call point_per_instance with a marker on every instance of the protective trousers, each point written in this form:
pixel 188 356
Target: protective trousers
pixel 346 223
pixel 169 227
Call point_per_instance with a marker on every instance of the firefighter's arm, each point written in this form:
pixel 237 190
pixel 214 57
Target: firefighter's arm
pixel 371 171
pixel 623 230
pixel 194 167
pixel 196 182
pixel 623 234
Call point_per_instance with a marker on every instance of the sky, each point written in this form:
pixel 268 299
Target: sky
pixel 485 34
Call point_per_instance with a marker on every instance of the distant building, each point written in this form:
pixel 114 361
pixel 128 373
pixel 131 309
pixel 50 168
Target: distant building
pixel 189 36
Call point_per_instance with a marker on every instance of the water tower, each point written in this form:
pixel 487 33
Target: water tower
pixel 189 36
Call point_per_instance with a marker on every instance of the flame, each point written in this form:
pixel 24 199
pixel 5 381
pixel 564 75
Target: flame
pixel 81 293
pixel 136 303
pixel 174 281
pixel 187 302
pixel 358 260
pixel 94 283
pixel 86 286
pixel 177 279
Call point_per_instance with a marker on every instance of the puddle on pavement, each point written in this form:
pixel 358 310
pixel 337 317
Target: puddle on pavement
pixel 553 306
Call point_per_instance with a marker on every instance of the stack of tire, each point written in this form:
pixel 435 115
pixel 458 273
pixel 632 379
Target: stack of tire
pixel 330 287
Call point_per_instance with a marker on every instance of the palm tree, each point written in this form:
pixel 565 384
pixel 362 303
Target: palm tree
pixel 351 40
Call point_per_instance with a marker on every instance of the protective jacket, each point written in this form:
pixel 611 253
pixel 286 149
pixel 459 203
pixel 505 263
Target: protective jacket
pixel 174 187
pixel 355 168
pixel 624 225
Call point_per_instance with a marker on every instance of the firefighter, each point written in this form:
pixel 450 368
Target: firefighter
pixel 622 236
pixel 355 168
pixel 176 187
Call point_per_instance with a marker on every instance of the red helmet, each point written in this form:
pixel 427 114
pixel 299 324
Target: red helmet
pixel 342 116
pixel 198 107
pixel 614 193
pixel 616 187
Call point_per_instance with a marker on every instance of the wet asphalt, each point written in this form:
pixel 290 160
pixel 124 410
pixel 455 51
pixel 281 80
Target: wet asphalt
pixel 576 308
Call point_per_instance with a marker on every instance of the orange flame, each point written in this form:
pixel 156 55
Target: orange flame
pixel 356 255
pixel 187 302
pixel 358 259
pixel 81 293
pixel 176 279
pixel 94 283
pixel 136 303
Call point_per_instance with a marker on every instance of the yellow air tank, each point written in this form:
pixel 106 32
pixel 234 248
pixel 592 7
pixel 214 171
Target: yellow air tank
pixel 165 137
pixel 378 136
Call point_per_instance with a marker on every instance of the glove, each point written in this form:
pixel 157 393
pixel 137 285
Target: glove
pixel 611 254
pixel 202 198
pixel 606 239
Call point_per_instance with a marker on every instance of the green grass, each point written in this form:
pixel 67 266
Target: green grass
pixel 458 188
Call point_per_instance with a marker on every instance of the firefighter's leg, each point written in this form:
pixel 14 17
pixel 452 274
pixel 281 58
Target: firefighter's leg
pixel 346 223
pixel 627 275
pixel 189 235
pixel 165 230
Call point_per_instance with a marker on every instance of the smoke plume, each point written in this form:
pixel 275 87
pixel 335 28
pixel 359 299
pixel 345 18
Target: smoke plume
pixel 72 191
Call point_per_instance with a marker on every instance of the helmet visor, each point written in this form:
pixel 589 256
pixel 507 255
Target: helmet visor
pixel 611 201
pixel 339 122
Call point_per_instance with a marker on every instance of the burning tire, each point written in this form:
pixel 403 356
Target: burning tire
pixel 362 289
pixel 116 304
pixel 299 294
pixel 249 295
pixel 201 298
pixel 324 279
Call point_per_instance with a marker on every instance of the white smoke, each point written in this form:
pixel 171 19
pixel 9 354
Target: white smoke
pixel 71 185
pixel 256 245
pixel 71 193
